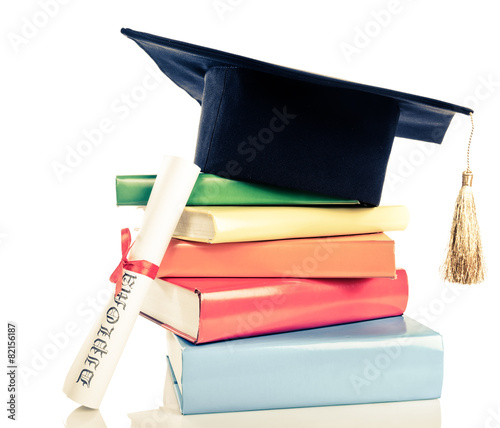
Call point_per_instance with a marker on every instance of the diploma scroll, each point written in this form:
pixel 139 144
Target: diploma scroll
pixel 89 376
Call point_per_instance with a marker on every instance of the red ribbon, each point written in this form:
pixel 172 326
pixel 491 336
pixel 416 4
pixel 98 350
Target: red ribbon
pixel 142 267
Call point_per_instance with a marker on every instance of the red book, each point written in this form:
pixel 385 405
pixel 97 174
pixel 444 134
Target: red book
pixel 350 256
pixel 211 309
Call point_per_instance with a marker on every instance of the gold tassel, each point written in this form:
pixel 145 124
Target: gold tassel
pixel 464 262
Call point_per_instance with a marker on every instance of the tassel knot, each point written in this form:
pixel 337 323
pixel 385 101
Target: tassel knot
pixel 467 178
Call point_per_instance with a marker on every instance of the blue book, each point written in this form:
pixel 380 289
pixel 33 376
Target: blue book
pixel 405 414
pixel 384 360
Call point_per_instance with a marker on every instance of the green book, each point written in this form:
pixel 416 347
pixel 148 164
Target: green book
pixel 213 190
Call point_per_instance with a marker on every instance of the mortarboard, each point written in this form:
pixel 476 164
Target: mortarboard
pixel 274 125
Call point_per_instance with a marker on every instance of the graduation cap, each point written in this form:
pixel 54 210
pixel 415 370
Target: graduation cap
pixel 274 125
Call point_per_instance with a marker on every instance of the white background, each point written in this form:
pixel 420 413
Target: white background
pixel 63 74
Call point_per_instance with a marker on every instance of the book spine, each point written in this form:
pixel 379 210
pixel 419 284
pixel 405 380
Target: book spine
pixel 266 223
pixel 387 368
pixel 307 258
pixel 134 190
pixel 408 414
pixel 266 306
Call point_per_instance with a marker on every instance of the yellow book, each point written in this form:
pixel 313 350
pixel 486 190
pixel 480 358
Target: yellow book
pixel 218 224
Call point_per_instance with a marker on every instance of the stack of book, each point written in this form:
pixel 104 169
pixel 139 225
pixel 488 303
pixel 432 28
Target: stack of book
pixel 277 299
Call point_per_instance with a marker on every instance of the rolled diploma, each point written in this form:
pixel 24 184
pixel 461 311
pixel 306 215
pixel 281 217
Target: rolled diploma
pixel 94 365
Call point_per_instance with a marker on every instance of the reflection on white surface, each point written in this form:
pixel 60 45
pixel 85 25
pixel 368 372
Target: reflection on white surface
pixel 83 417
pixel 411 414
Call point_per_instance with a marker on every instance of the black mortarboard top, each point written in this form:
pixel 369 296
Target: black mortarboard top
pixel 274 125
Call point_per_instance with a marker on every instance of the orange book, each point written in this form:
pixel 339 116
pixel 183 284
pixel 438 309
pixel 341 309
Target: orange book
pixel 350 256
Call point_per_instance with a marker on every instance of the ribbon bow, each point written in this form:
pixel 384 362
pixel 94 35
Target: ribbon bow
pixel 142 267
